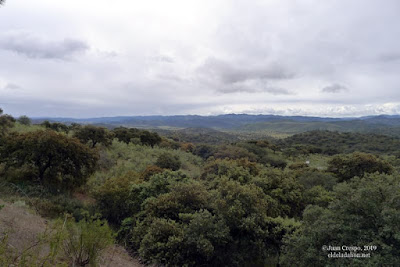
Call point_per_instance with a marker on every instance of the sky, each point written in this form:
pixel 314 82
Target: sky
pixel 95 58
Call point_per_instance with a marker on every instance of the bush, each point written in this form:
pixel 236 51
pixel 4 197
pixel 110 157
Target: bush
pixel 113 197
pixel 168 161
pixel 53 159
pixel 86 239
pixel 150 171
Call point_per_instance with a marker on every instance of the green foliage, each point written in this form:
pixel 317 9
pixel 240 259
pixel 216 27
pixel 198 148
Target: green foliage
pixel 86 239
pixel 228 205
pixel 233 152
pixel 150 138
pixel 24 120
pixel 66 243
pixel 94 135
pixel 239 170
pixel 123 158
pixel 200 136
pixel 150 171
pixel 283 188
pixel 128 135
pixel 331 143
pixel 168 161
pixel 49 158
pixel 311 177
pixel 6 122
pixel 365 211
pixel 55 126
pixel 113 197
pixel 204 151
pixel 318 195
pixel 57 206
pixel 357 164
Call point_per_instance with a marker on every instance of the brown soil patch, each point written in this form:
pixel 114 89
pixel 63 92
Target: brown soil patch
pixel 23 227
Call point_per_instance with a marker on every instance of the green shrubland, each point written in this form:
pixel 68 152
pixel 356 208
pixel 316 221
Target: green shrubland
pixel 175 203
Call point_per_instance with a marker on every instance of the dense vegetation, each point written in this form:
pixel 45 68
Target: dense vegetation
pixel 179 203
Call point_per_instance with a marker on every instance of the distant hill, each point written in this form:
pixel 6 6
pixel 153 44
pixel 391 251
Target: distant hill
pixel 246 123
pixel 228 121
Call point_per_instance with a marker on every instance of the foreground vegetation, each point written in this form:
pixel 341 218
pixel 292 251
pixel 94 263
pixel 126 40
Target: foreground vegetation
pixel 176 203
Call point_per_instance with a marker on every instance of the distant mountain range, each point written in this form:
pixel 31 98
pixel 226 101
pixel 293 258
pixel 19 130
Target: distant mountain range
pixel 240 122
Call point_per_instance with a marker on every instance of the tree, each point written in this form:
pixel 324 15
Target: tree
pixel 24 120
pixel 94 135
pixel 357 164
pixel 168 161
pixel 124 134
pixel 6 122
pixel 150 138
pixel 366 211
pixel 55 126
pixel 52 159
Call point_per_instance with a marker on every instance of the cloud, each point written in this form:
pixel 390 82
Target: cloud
pixel 252 86
pixel 35 47
pixel 164 58
pixel 12 86
pixel 334 88
pixel 197 56
pixel 230 73
pixel 389 57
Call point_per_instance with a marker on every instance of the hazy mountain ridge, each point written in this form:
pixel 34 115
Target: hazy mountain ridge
pixel 243 122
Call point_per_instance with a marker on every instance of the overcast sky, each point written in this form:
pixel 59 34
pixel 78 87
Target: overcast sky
pixel 94 58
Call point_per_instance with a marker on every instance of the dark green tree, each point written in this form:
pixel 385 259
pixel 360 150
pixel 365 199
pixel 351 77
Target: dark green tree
pixel 6 122
pixel 150 138
pixel 366 211
pixel 24 120
pixel 357 164
pixel 168 161
pixel 55 126
pixel 93 135
pixel 52 159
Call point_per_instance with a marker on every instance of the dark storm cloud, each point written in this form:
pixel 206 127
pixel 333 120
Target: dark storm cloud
pixel 35 47
pixel 229 73
pixel 334 88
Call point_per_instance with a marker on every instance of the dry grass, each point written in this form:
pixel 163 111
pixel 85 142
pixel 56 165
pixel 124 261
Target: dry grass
pixel 24 226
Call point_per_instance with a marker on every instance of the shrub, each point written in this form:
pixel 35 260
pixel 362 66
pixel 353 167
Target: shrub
pixel 168 161
pixel 113 197
pixel 86 239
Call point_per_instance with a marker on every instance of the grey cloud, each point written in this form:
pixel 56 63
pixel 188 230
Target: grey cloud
pixel 252 86
pixel 243 89
pixel 334 88
pixel 230 73
pixel 389 57
pixel 35 47
pixel 12 86
pixel 164 58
